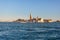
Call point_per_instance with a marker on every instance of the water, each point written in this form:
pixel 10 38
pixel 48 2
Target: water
pixel 29 31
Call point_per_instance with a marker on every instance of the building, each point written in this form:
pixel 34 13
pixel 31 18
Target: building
pixel 20 20
pixel 37 19
pixel 40 20
pixel 34 19
pixel 58 21
pixel 47 20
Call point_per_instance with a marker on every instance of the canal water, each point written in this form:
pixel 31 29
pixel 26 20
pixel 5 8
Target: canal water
pixel 29 31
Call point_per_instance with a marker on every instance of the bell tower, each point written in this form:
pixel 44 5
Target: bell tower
pixel 30 17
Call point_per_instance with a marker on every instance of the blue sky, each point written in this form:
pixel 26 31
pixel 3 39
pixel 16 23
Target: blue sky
pixel 14 9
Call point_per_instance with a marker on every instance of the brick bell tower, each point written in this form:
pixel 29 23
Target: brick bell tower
pixel 30 17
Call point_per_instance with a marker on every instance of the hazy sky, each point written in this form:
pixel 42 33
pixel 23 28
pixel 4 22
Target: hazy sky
pixel 14 9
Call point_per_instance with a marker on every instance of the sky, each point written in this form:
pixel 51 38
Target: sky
pixel 15 9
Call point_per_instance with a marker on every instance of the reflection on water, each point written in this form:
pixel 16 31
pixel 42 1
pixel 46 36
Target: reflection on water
pixel 29 31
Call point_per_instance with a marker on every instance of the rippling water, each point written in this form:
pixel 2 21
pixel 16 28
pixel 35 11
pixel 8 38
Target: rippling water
pixel 29 31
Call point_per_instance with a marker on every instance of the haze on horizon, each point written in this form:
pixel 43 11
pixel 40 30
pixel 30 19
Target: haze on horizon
pixel 14 9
